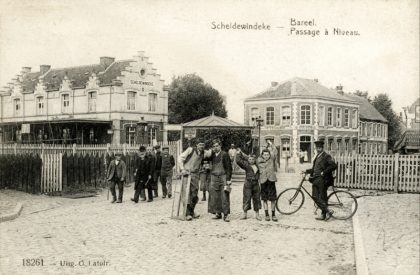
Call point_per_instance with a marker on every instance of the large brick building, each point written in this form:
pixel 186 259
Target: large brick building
pixel 113 101
pixel 299 111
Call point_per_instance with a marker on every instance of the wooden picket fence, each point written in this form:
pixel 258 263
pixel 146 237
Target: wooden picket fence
pixel 399 173
pixel 64 168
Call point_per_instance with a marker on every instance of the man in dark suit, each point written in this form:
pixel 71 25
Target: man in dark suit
pixel 116 175
pixel 321 177
pixel 143 178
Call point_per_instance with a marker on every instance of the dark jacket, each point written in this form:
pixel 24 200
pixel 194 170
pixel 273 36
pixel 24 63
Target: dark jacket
pixel 227 165
pixel 324 164
pixel 250 175
pixel 144 170
pixel 167 167
pixel 119 170
pixel 158 161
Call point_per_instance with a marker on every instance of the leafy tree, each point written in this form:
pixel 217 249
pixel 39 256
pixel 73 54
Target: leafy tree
pixel 364 94
pixel 383 104
pixel 190 98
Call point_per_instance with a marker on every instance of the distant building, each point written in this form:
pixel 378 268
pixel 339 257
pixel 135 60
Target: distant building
pixel 411 115
pixel 299 111
pixel 120 101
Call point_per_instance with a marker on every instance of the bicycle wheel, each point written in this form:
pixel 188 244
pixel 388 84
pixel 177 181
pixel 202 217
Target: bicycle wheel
pixel 290 201
pixel 343 203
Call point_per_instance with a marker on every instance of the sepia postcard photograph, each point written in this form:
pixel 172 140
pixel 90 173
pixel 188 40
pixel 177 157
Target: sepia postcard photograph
pixel 209 137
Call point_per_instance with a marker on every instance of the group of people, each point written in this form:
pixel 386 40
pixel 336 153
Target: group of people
pixel 151 167
pixel 211 171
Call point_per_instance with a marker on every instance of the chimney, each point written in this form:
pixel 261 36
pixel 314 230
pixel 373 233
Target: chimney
pixel 44 68
pixel 316 80
pixel 274 83
pixel 26 70
pixel 339 89
pixel 106 61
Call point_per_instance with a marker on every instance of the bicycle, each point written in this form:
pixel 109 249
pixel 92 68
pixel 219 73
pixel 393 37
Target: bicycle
pixel 343 203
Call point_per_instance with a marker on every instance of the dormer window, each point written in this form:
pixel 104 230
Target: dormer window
pixel 65 103
pixel 40 105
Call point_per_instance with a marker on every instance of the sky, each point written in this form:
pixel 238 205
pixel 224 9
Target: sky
pixel 179 39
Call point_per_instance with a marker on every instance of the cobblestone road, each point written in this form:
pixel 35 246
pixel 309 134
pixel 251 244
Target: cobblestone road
pixel 140 238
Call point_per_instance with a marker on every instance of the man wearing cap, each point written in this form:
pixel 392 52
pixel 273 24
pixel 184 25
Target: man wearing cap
pixel 190 162
pixel 166 172
pixel 321 176
pixel 220 182
pixel 116 174
pixel 143 177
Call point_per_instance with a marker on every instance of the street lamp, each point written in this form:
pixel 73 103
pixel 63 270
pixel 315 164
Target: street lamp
pixel 258 122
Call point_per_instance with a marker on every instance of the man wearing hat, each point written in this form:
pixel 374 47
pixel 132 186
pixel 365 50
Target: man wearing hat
pixel 321 177
pixel 166 172
pixel 143 176
pixel 190 162
pixel 116 175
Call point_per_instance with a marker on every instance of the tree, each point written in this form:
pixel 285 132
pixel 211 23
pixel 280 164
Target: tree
pixel 190 98
pixel 364 94
pixel 383 104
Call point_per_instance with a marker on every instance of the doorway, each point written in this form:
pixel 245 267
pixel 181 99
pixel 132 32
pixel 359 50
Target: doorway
pixel 305 149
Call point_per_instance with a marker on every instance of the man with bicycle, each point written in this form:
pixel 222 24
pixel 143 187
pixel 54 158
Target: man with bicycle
pixel 321 177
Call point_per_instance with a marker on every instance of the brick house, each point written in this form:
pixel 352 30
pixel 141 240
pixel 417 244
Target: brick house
pixel 121 101
pixel 299 111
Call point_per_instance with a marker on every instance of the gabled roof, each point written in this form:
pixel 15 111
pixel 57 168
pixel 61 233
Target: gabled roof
pixel 214 121
pixel 299 87
pixel 366 110
pixel 410 139
pixel 29 81
pixel 77 75
pixel 113 71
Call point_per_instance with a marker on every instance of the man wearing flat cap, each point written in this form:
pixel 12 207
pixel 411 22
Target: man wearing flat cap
pixel 116 174
pixel 321 177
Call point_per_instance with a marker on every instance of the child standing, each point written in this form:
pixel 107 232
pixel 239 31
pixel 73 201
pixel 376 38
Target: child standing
pixel 251 190
pixel 267 165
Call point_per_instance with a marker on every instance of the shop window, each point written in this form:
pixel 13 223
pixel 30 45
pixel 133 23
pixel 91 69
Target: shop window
pixel 270 116
pixel 131 101
pixel 65 103
pixel 92 102
pixel 330 145
pixel 40 105
pixel 286 114
pixel 152 102
pixel 346 142
pixel 330 116
pixel 305 114
pixel 338 145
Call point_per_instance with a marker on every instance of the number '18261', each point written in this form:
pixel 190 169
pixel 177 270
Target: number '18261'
pixel 33 262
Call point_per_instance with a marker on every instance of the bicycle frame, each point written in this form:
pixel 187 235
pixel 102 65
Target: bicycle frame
pixel 300 187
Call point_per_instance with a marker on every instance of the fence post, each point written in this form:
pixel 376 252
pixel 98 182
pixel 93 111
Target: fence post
pixel 108 148
pixel 396 172
pixel 74 149
pixel 124 149
pixel 15 148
